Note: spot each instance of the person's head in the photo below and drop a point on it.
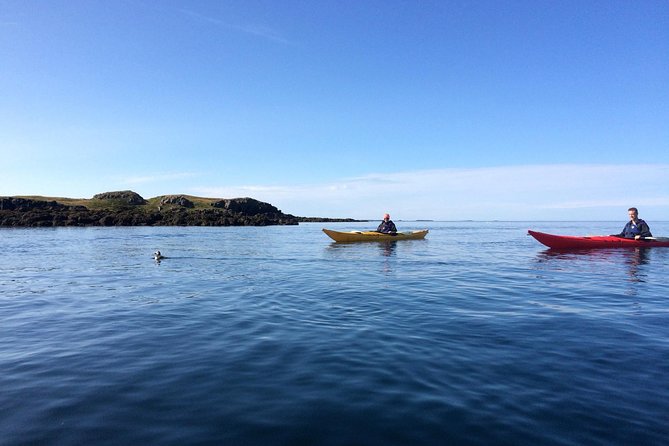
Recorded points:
(633, 213)
(386, 216)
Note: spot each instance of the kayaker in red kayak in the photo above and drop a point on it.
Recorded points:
(387, 226)
(636, 228)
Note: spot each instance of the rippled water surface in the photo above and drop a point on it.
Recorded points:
(477, 335)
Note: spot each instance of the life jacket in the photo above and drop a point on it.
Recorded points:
(632, 229)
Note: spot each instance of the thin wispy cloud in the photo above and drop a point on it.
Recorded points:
(585, 204)
(10, 20)
(254, 29)
(563, 192)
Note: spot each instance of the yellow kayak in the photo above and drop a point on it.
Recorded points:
(373, 236)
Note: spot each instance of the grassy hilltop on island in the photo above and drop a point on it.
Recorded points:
(127, 208)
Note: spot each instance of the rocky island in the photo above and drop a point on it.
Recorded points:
(128, 208)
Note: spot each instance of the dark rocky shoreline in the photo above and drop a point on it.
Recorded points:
(127, 208)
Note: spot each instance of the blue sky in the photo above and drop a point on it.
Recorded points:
(425, 109)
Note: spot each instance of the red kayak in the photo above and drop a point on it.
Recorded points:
(596, 241)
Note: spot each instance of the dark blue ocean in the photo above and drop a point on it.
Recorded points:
(477, 335)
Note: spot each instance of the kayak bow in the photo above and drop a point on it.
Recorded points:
(373, 236)
(595, 241)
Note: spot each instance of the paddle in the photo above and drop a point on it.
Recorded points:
(656, 239)
(638, 240)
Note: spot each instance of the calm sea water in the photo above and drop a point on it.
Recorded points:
(477, 335)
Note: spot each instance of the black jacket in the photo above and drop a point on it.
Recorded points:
(386, 227)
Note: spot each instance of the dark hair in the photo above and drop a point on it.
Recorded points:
(633, 209)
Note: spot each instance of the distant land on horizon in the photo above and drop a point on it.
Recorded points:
(128, 208)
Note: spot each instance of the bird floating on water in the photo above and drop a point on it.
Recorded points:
(158, 256)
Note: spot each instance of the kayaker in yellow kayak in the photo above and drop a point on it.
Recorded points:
(636, 228)
(387, 226)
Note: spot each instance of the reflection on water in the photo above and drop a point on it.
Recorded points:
(633, 257)
(634, 262)
(388, 248)
(384, 252)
